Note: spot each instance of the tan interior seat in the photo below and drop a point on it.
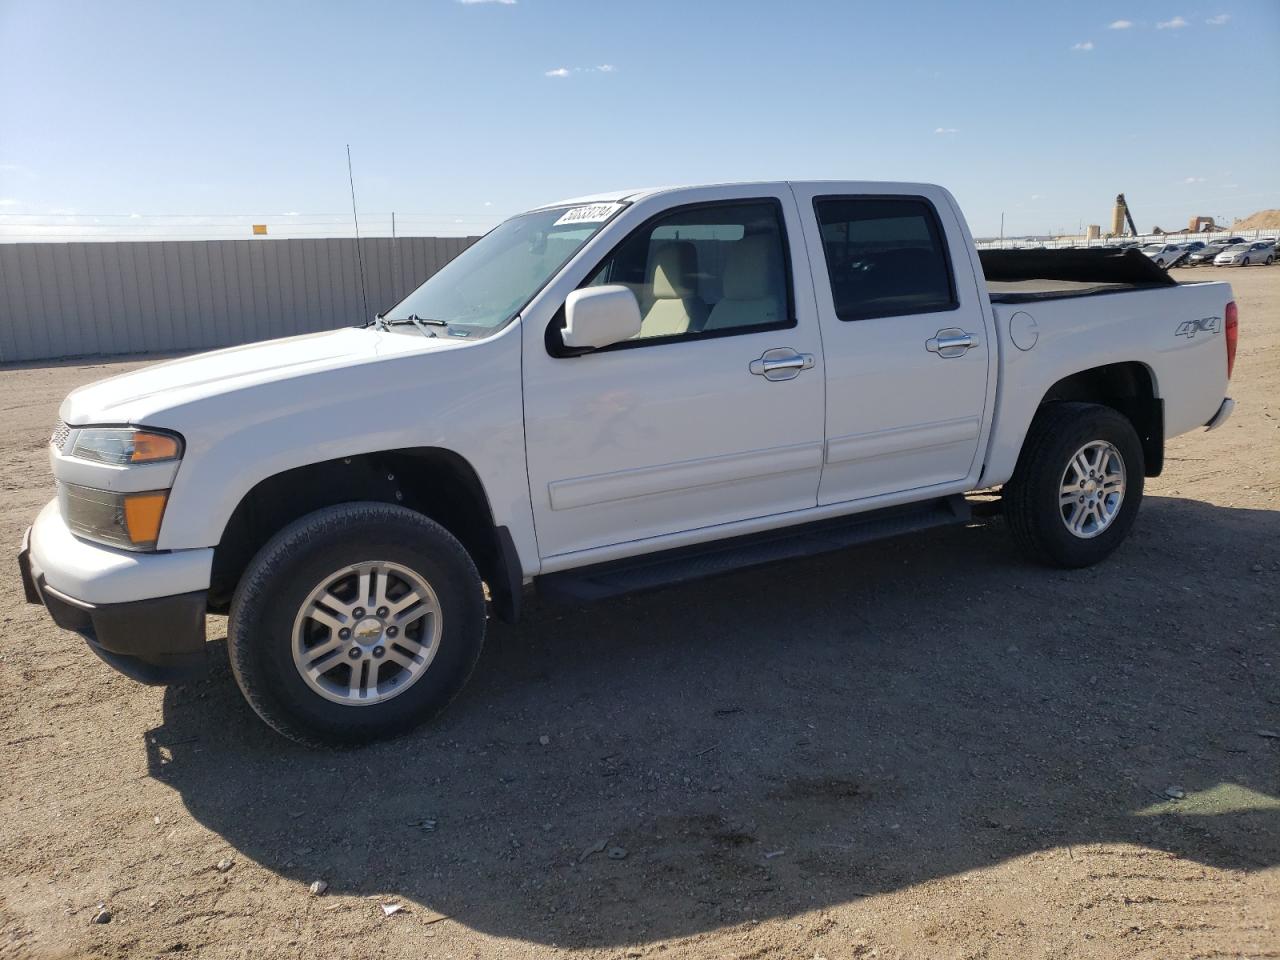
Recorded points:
(750, 292)
(676, 306)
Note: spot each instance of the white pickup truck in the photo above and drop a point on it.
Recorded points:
(603, 395)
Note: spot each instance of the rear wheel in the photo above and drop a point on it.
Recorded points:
(1270, 260)
(356, 623)
(1078, 484)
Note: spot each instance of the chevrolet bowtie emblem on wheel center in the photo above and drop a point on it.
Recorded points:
(368, 630)
(1189, 328)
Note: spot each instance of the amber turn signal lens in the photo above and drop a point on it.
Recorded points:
(154, 446)
(142, 515)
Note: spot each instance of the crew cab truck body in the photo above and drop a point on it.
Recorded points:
(602, 395)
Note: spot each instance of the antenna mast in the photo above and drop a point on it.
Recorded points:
(364, 296)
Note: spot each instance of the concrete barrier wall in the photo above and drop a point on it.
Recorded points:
(81, 299)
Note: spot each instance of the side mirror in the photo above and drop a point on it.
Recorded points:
(595, 317)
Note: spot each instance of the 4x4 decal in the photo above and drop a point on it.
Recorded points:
(1189, 328)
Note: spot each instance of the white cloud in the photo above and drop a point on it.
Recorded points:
(1120, 25)
(1035, 196)
(569, 71)
(946, 130)
(1194, 180)
(1177, 23)
(290, 213)
(505, 3)
(1086, 46)
(135, 216)
(1219, 20)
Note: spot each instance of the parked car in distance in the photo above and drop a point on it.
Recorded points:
(1247, 254)
(1210, 250)
(1163, 254)
(602, 395)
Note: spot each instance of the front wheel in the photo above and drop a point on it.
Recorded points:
(356, 623)
(1078, 484)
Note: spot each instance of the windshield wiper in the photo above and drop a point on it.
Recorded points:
(422, 323)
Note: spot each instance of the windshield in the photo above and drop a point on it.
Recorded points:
(485, 286)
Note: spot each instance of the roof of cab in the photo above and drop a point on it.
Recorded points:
(618, 196)
(612, 196)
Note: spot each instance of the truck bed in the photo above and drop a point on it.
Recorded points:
(1025, 276)
(1029, 291)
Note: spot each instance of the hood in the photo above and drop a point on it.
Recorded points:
(132, 397)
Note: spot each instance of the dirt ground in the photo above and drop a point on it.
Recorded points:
(926, 748)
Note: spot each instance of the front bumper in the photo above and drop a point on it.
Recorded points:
(156, 640)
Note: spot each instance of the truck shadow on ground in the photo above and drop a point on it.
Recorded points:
(792, 737)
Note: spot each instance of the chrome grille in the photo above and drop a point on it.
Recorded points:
(60, 434)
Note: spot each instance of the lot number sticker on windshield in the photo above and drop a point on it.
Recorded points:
(592, 213)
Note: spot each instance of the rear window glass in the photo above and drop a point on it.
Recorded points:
(886, 256)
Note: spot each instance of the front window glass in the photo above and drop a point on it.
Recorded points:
(701, 270)
(484, 287)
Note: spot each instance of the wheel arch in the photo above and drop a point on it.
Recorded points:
(434, 481)
(1128, 387)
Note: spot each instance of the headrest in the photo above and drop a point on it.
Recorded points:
(675, 270)
(748, 269)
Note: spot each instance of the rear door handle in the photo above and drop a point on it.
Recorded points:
(781, 363)
(951, 342)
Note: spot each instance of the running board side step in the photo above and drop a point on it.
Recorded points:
(669, 567)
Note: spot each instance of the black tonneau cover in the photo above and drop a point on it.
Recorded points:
(1015, 276)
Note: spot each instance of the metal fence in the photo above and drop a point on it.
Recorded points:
(79, 299)
(1056, 243)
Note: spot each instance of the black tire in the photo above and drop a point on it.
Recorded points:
(1032, 505)
(277, 582)
(1270, 260)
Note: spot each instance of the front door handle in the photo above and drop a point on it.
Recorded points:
(781, 363)
(951, 342)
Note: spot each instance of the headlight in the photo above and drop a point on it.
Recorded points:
(124, 445)
(129, 520)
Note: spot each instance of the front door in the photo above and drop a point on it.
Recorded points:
(712, 413)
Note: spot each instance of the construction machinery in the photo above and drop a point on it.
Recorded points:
(1120, 217)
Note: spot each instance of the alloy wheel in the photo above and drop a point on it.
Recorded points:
(366, 633)
(1092, 489)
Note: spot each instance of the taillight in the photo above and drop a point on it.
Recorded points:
(1232, 326)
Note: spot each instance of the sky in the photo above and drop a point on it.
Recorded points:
(140, 120)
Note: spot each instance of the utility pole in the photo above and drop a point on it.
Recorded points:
(1002, 228)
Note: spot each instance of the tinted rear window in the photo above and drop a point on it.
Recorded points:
(886, 256)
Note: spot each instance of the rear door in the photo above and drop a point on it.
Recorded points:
(713, 413)
(908, 340)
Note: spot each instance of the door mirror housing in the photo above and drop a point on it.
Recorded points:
(596, 317)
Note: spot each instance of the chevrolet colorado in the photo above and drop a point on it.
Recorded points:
(603, 395)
